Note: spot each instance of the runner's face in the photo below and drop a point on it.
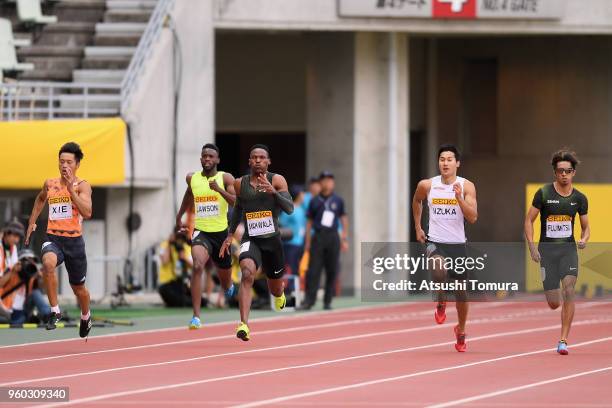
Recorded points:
(209, 159)
(448, 164)
(564, 173)
(67, 161)
(259, 161)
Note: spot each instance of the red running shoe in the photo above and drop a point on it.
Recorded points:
(440, 313)
(460, 346)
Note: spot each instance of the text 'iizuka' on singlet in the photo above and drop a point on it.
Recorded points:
(446, 221)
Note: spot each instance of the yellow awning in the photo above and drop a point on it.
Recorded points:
(29, 151)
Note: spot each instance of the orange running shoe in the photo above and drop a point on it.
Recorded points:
(440, 313)
(460, 346)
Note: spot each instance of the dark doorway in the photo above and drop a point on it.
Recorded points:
(287, 151)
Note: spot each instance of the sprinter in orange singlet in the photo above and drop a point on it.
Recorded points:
(69, 200)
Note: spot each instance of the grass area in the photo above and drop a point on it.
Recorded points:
(148, 317)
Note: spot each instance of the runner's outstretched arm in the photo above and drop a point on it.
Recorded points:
(417, 208)
(585, 233)
(186, 204)
(532, 214)
(39, 204)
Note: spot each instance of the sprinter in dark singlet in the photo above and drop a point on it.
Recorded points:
(558, 203)
(260, 196)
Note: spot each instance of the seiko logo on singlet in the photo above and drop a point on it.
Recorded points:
(552, 201)
(444, 210)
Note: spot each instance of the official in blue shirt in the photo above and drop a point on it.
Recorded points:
(296, 222)
(325, 213)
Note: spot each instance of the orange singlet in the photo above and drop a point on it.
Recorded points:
(64, 217)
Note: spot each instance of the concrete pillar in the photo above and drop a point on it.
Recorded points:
(380, 166)
(432, 141)
(329, 121)
(196, 119)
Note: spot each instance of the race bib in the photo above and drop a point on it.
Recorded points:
(559, 226)
(260, 223)
(445, 208)
(328, 218)
(60, 208)
(207, 207)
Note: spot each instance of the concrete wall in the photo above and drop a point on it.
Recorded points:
(552, 92)
(261, 82)
(151, 118)
(587, 16)
(330, 122)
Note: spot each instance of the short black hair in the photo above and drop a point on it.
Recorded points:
(73, 148)
(211, 146)
(449, 148)
(260, 146)
(564, 154)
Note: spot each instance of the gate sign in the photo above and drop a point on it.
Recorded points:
(455, 9)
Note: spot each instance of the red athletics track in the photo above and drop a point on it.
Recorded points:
(375, 356)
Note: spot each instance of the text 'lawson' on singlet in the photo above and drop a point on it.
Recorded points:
(210, 206)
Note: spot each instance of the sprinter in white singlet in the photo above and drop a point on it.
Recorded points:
(452, 201)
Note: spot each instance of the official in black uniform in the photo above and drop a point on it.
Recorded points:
(325, 212)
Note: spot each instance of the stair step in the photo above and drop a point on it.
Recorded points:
(106, 63)
(70, 27)
(121, 28)
(80, 4)
(95, 76)
(54, 63)
(50, 51)
(46, 75)
(135, 16)
(131, 4)
(124, 40)
(95, 51)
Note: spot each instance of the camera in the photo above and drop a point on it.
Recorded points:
(29, 265)
(179, 242)
(28, 270)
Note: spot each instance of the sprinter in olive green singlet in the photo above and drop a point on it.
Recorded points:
(260, 196)
(209, 193)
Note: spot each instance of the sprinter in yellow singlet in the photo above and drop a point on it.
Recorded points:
(209, 192)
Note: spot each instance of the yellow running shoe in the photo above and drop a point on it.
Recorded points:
(279, 302)
(195, 323)
(242, 332)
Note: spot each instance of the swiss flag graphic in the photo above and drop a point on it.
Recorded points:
(454, 9)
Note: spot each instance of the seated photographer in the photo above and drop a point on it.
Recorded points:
(175, 265)
(30, 297)
(19, 291)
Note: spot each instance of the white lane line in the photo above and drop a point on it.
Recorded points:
(263, 332)
(328, 362)
(405, 376)
(519, 388)
(286, 346)
(282, 316)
